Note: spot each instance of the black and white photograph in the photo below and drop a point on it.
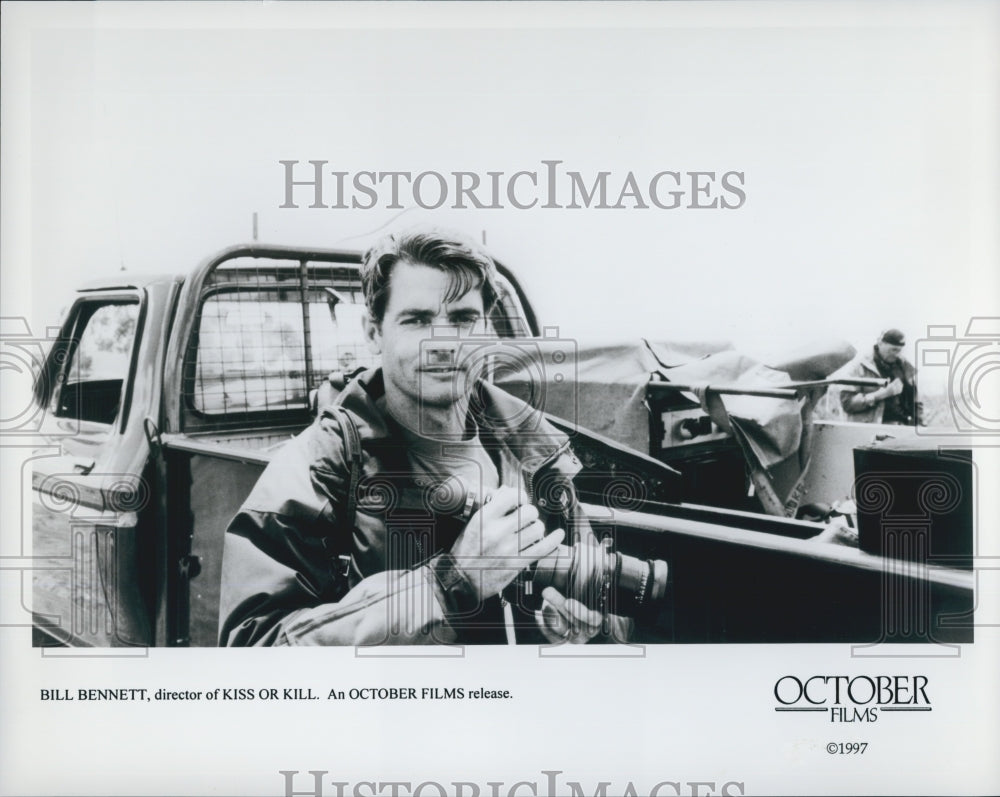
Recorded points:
(598, 397)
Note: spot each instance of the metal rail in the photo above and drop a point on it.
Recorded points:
(789, 391)
(807, 548)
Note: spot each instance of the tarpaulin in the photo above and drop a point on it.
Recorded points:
(604, 390)
(599, 387)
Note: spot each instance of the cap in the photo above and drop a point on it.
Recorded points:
(893, 337)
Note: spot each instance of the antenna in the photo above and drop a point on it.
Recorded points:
(255, 225)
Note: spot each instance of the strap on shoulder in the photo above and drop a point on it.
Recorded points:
(338, 546)
(352, 453)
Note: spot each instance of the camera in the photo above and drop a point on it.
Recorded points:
(541, 372)
(972, 367)
(594, 574)
(426, 518)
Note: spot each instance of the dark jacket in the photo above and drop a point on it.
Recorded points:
(281, 550)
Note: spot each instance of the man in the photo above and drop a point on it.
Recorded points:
(896, 403)
(414, 482)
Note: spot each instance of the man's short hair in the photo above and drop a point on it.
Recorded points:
(468, 265)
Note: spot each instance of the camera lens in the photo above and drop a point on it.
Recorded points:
(633, 586)
(640, 584)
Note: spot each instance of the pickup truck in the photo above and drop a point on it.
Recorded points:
(165, 396)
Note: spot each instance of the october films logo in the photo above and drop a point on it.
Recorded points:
(846, 698)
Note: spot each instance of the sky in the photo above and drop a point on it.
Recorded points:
(866, 136)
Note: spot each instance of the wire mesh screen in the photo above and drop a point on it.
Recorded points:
(270, 329)
(268, 333)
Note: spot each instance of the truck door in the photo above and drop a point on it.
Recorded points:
(83, 491)
(97, 580)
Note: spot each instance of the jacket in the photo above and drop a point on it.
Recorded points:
(906, 402)
(284, 546)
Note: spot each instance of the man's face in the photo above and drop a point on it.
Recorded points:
(888, 352)
(416, 308)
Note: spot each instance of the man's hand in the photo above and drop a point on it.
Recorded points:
(894, 388)
(500, 540)
(864, 400)
(565, 619)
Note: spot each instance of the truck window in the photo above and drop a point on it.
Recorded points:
(98, 364)
(269, 331)
(252, 350)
